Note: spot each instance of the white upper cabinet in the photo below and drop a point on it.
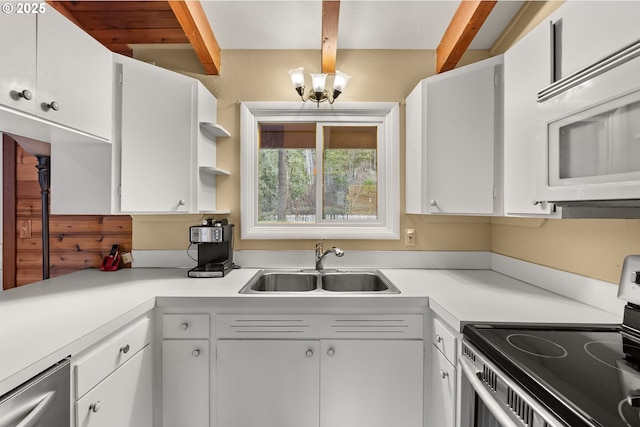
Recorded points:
(527, 69)
(454, 142)
(167, 158)
(53, 70)
(18, 65)
(587, 31)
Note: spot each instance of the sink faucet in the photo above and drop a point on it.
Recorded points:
(320, 255)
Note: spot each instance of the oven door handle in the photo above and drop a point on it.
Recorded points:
(470, 372)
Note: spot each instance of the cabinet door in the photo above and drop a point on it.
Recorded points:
(594, 29)
(527, 70)
(460, 138)
(75, 71)
(185, 383)
(18, 64)
(123, 399)
(156, 138)
(443, 390)
(373, 383)
(267, 383)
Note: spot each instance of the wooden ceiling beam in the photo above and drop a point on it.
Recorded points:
(463, 27)
(330, 15)
(195, 24)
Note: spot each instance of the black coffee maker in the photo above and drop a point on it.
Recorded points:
(215, 248)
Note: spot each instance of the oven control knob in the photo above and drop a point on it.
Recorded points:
(635, 277)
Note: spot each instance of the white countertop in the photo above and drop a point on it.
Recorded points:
(47, 321)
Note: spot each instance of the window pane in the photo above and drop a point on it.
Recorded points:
(286, 176)
(350, 171)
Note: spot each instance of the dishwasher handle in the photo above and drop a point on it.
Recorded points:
(38, 411)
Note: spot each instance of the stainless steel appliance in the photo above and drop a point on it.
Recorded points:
(43, 401)
(555, 375)
(215, 248)
(589, 137)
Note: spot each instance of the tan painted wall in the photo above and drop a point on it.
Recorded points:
(258, 75)
(595, 248)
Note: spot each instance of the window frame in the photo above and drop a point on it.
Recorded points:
(386, 114)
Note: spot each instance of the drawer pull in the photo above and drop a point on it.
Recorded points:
(309, 353)
(439, 338)
(95, 407)
(26, 94)
(331, 352)
(196, 352)
(124, 349)
(184, 326)
(444, 374)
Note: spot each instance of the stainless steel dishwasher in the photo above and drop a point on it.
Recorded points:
(41, 401)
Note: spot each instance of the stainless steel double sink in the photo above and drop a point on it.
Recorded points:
(354, 281)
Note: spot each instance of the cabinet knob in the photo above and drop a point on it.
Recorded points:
(444, 374)
(433, 203)
(95, 407)
(124, 349)
(182, 202)
(184, 326)
(309, 353)
(196, 352)
(331, 352)
(53, 105)
(26, 94)
(438, 338)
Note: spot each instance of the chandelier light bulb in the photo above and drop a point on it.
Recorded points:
(318, 81)
(297, 77)
(340, 81)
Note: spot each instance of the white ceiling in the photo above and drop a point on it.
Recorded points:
(363, 24)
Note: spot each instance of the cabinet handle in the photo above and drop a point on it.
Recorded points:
(26, 94)
(331, 352)
(95, 407)
(433, 203)
(309, 353)
(444, 374)
(184, 326)
(124, 349)
(182, 202)
(438, 338)
(53, 106)
(196, 352)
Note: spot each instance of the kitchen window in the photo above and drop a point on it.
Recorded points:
(310, 172)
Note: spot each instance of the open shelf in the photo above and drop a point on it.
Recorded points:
(214, 170)
(214, 130)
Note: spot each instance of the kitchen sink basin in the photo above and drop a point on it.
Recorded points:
(280, 281)
(368, 281)
(354, 281)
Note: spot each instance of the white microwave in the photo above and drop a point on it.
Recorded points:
(588, 135)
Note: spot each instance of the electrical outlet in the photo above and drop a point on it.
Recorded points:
(409, 236)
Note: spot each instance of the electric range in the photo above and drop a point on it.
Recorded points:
(556, 375)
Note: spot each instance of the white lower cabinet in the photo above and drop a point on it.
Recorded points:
(185, 383)
(443, 390)
(268, 383)
(444, 353)
(327, 383)
(342, 371)
(112, 380)
(185, 370)
(123, 399)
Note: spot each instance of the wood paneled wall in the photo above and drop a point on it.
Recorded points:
(75, 242)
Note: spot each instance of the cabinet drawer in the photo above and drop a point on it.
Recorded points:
(185, 326)
(444, 340)
(123, 399)
(108, 355)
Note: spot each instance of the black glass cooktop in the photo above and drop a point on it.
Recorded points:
(586, 376)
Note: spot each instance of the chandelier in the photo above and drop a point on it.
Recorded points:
(318, 93)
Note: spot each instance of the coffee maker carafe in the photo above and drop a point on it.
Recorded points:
(215, 248)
